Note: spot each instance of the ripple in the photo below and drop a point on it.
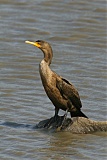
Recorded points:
(77, 32)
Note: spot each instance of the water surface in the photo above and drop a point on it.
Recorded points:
(77, 32)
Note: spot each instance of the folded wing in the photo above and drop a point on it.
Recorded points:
(68, 91)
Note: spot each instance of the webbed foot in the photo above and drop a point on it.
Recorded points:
(51, 121)
(65, 117)
(54, 122)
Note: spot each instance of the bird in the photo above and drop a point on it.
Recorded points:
(60, 91)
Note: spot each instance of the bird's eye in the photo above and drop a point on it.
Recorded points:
(38, 41)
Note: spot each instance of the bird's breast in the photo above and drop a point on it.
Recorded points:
(45, 73)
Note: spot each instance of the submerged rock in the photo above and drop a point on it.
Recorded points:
(74, 125)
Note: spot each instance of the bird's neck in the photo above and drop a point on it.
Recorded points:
(48, 56)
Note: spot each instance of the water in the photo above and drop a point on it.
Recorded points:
(77, 32)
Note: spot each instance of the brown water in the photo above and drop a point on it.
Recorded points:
(77, 32)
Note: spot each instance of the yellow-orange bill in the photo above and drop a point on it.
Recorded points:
(29, 42)
(33, 43)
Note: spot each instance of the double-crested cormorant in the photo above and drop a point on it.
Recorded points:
(60, 91)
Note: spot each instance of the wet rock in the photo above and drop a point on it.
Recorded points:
(79, 125)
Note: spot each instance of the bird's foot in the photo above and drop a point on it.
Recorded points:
(47, 124)
(66, 112)
(64, 117)
(56, 121)
(52, 121)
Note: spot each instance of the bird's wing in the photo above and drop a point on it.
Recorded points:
(68, 91)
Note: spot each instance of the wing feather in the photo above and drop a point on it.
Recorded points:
(68, 91)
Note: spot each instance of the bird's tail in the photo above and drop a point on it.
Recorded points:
(78, 113)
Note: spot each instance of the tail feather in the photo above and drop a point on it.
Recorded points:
(78, 113)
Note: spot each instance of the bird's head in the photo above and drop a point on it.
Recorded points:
(40, 44)
(45, 47)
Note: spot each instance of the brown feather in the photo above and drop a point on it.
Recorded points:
(61, 92)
